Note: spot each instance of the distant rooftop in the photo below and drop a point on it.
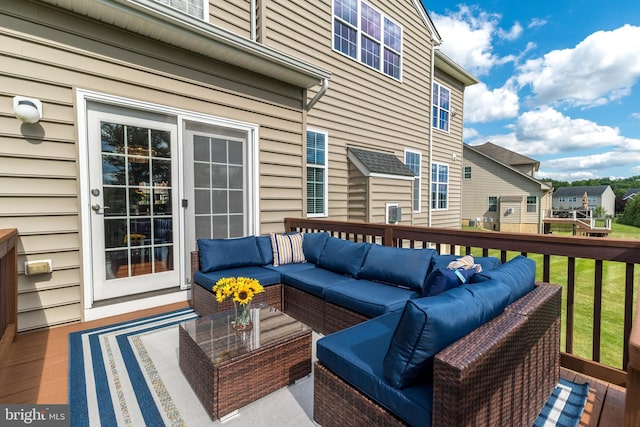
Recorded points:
(591, 190)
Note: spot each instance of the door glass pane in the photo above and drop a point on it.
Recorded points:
(136, 187)
(220, 181)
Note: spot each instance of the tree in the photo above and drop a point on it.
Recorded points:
(631, 213)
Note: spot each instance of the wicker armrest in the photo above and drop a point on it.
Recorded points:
(503, 372)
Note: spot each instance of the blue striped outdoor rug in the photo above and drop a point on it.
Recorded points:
(565, 406)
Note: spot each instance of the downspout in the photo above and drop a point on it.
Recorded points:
(320, 94)
(253, 20)
(430, 124)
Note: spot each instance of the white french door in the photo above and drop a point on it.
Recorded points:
(133, 182)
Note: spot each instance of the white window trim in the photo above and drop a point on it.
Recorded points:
(358, 58)
(325, 196)
(436, 208)
(419, 176)
(83, 97)
(439, 108)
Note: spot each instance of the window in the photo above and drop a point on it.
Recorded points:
(316, 173)
(562, 199)
(413, 160)
(441, 105)
(439, 186)
(195, 8)
(532, 204)
(493, 204)
(366, 35)
(467, 172)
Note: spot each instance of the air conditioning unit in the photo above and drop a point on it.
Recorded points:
(394, 214)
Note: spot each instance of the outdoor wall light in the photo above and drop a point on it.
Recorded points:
(28, 110)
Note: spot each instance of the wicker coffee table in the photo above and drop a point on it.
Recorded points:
(228, 369)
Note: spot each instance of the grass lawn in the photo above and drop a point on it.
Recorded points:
(613, 292)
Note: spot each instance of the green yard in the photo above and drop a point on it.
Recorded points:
(612, 300)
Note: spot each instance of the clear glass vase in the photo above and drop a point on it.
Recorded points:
(243, 316)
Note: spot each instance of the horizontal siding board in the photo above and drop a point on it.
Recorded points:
(59, 260)
(30, 301)
(13, 146)
(49, 317)
(41, 244)
(18, 206)
(35, 225)
(58, 278)
(37, 187)
(25, 167)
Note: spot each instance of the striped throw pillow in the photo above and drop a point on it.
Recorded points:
(287, 248)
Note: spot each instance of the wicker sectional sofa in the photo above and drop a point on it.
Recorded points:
(405, 342)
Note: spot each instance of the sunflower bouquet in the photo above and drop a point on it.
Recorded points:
(241, 290)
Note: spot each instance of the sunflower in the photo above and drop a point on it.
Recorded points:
(241, 289)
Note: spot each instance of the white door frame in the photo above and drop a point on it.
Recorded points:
(83, 97)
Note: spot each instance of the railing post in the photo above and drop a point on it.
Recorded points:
(631, 407)
(8, 288)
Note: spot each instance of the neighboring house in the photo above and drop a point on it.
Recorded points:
(160, 126)
(630, 194)
(597, 196)
(500, 192)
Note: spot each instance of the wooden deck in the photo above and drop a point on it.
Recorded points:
(34, 371)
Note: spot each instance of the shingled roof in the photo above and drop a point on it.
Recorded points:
(377, 162)
(505, 156)
(578, 191)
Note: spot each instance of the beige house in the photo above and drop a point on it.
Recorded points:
(500, 192)
(162, 124)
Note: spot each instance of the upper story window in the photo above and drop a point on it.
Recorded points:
(439, 186)
(366, 35)
(532, 204)
(441, 106)
(316, 173)
(413, 160)
(195, 8)
(467, 172)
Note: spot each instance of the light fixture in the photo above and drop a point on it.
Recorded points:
(29, 110)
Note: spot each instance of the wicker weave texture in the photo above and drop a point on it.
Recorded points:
(336, 403)
(227, 386)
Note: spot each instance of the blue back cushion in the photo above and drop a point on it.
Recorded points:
(218, 254)
(399, 266)
(343, 256)
(428, 325)
(442, 279)
(313, 244)
(518, 273)
(264, 245)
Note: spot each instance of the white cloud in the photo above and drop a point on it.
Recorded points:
(537, 22)
(467, 37)
(600, 69)
(483, 105)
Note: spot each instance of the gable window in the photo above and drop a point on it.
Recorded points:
(195, 8)
(532, 204)
(441, 105)
(366, 35)
(439, 186)
(316, 173)
(467, 172)
(493, 204)
(413, 160)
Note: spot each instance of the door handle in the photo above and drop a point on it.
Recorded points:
(96, 208)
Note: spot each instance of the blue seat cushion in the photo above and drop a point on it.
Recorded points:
(518, 273)
(220, 254)
(313, 244)
(265, 276)
(343, 256)
(314, 280)
(289, 268)
(354, 355)
(430, 324)
(442, 279)
(400, 266)
(442, 261)
(369, 298)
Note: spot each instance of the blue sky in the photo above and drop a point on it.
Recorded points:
(559, 80)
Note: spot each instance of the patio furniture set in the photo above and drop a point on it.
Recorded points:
(408, 337)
